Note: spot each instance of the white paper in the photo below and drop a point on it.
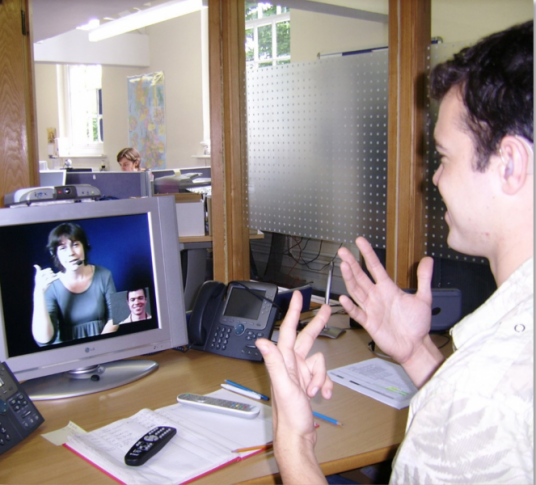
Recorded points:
(376, 378)
(204, 441)
(60, 436)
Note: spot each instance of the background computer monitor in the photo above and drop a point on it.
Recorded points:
(189, 178)
(116, 185)
(162, 173)
(204, 171)
(52, 178)
(78, 169)
(137, 241)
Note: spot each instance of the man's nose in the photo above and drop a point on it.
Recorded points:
(437, 175)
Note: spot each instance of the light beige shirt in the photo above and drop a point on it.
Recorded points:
(129, 319)
(473, 421)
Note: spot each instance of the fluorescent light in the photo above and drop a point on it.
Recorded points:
(146, 17)
(92, 24)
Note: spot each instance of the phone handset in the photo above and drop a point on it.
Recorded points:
(206, 305)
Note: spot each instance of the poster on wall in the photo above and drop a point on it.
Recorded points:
(146, 118)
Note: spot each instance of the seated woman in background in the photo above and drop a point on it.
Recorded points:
(129, 159)
(76, 302)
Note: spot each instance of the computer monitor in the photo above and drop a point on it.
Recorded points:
(204, 171)
(136, 240)
(162, 173)
(189, 178)
(114, 185)
(52, 178)
(78, 169)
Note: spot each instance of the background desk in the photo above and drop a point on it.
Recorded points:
(371, 431)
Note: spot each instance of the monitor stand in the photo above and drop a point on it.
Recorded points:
(331, 332)
(88, 380)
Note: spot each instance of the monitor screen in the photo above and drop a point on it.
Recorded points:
(244, 303)
(52, 178)
(83, 284)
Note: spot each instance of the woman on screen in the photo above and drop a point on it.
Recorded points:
(75, 302)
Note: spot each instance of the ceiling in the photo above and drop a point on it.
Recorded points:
(55, 17)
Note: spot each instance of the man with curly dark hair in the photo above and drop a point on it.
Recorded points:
(472, 419)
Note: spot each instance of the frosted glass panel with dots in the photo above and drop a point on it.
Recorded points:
(317, 148)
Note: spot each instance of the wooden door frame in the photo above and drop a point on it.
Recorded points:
(227, 68)
(18, 151)
(409, 49)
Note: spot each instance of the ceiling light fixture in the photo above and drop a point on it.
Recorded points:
(92, 24)
(143, 18)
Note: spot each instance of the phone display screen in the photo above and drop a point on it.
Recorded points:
(242, 303)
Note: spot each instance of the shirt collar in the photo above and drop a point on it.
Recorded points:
(517, 288)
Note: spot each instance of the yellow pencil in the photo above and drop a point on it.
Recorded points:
(267, 446)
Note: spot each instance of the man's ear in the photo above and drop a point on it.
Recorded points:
(517, 163)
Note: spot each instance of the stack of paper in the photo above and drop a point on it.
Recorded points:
(204, 442)
(379, 379)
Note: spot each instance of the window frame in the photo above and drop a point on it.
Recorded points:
(254, 24)
(71, 146)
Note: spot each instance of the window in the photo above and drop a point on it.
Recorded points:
(267, 35)
(82, 113)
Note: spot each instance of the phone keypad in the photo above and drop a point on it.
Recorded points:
(252, 335)
(25, 413)
(220, 338)
(223, 334)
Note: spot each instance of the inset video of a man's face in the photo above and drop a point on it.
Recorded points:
(137, 301)
(132, 306)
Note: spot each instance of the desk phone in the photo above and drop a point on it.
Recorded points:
(226, 320)
(18, 415)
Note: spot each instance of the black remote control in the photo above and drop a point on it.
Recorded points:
(149, 445)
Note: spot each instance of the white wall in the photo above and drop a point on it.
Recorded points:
(313, 33)
(115, 109)
(470, 20)
(453, 20)
(175, 49)
(46, 95)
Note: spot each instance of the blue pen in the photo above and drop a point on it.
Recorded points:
(262, 396)
(326, 418)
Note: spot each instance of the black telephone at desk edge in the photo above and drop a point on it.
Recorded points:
(226, 320)
(18, 415)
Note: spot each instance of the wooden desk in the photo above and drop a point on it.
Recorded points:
(371, 431)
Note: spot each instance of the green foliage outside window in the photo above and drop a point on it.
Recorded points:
(283, 38)
(265, 42)
(261, 34)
